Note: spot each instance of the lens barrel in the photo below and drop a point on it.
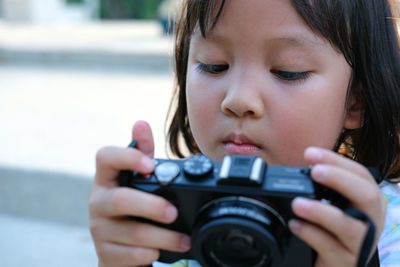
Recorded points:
(238, 231)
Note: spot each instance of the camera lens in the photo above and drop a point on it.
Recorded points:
(238, 231)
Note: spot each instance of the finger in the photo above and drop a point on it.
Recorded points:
(142, 133)
(130, 232)
(122, 201)
(362, 193)
(316, 155)
(327, 247)
(121, 255)
(111, 160)
(350, 232)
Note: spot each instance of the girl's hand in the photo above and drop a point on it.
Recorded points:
(120, 241)
(335, 236)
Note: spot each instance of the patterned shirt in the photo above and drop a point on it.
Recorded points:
(389, 242)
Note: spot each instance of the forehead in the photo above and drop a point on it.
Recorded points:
(271, 20)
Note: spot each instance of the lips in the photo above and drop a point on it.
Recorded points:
(240, 144)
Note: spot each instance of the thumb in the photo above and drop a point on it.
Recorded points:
(142, 133)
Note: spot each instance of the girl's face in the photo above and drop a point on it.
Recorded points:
(262, 83)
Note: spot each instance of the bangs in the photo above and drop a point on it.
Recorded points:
(204, 15)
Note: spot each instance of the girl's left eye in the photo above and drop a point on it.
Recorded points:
(291, 76)
(212, 68)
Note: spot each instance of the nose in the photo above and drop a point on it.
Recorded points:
(243, 97)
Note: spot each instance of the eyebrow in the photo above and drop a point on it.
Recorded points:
(299, 41)
(295, 40)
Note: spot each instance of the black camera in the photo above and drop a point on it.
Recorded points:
(236, 211)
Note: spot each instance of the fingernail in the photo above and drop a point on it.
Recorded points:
(318, 172)
(170, 213)
(313, 153)
(185, 242)
(301, 205)
(294, 225)
(147, 164)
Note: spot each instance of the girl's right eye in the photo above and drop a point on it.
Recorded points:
(212, 68)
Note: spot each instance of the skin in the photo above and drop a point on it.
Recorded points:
(281, 117)
(249, 108)
(119, 241)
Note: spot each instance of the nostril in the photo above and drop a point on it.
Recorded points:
(242, 103)
(249, 113)
(238, 112)
(228, 112)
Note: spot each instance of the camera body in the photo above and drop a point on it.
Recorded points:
(236, 210)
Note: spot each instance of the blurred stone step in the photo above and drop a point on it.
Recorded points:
(97, 60)
(30, 242)
(51, 196)
(120, 46)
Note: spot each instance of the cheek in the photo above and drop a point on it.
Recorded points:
(203, 108)
(310, 130)
(200, 111)
(301, 129)
(317, 124)
(313, 117)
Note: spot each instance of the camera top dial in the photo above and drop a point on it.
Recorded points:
(166, 172)
(197, 166)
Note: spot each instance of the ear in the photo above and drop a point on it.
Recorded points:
(355, 114)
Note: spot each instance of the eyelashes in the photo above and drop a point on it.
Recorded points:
(212, 68)
(288, 76)
(291, 76)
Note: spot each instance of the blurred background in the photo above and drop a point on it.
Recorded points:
(74, 76)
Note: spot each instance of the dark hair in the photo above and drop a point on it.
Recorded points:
(363, 31)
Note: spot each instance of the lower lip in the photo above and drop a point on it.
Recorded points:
(241, 149)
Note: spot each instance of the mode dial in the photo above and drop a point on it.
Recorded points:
(197, 166)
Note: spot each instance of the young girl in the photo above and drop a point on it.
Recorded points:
(296, 82)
